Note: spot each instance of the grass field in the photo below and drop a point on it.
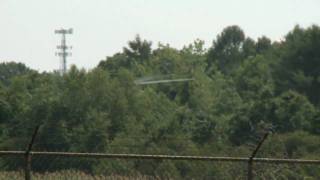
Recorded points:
(70, 175)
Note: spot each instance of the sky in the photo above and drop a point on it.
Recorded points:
(103, 27)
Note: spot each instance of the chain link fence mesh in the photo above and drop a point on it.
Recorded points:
(53, 167)
(87, 168)
(69, 167)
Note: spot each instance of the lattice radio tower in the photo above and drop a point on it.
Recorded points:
(62, 49)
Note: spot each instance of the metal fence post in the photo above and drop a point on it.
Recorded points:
(250, 162)
(28, 155)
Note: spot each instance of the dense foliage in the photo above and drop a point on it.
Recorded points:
(241, 89)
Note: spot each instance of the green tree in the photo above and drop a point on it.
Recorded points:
(139, 50)
(292, 111)
(299, 68)
(11, 69)
(263, 44)
(226, 52)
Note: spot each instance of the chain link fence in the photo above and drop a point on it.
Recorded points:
(152, 165)
(55, 165)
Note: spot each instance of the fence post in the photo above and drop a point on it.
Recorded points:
(250, 162)
(28, 156)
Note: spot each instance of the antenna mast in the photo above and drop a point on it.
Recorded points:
(63, 49)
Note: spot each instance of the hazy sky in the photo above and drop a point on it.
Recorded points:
(103, 27)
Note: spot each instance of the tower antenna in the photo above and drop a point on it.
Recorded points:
(62, 49)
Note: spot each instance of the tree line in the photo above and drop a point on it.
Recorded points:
(241, 89)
